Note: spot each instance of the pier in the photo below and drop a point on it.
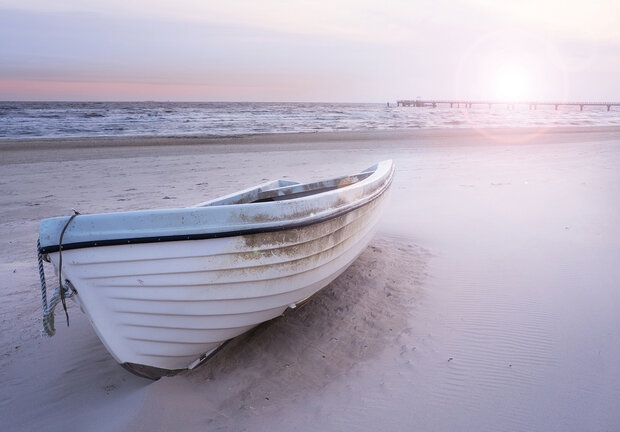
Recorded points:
(509, 105)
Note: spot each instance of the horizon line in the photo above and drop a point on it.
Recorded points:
(459, 100)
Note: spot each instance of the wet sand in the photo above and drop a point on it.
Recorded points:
(487, 301)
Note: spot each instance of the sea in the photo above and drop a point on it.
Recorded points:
(94, 119)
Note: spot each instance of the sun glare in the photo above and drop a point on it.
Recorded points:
(512, 84)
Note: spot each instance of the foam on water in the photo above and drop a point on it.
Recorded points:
(82, 119)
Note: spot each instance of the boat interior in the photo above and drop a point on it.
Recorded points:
(280, 190)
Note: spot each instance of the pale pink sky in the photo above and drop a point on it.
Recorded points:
(339, 51)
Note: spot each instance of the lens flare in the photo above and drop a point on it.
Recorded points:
(512, 84)
(510, 68)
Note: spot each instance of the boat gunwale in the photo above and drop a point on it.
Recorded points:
(233, 233)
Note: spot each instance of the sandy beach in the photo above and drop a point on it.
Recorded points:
(488, 300)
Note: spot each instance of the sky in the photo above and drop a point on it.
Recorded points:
(314, 51)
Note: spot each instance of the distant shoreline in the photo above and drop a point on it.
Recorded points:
(78, 148)
(318, 136)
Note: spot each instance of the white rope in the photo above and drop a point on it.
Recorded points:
(62, 291)
(48, 308)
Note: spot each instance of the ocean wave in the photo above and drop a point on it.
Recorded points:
(66, 119)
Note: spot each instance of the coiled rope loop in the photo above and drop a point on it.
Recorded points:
(61, 292)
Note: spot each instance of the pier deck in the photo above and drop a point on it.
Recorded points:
(509, 105)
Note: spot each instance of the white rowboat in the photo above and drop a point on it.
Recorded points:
(164, 289)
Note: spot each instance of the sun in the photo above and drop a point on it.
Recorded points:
(512, 84)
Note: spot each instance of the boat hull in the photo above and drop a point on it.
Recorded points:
(167, 308)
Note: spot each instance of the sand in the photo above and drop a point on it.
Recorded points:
(487, 301)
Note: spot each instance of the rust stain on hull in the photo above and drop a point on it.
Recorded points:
(299, 236)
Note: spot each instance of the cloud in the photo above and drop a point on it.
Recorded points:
(346, 50)
(590, 20)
